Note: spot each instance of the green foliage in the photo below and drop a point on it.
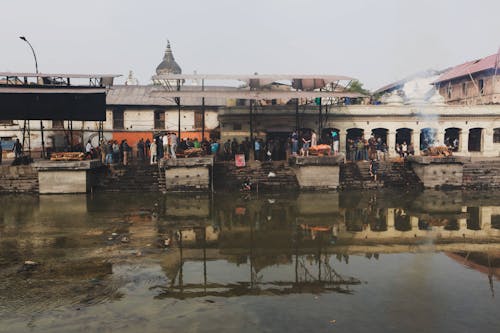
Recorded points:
(357, 86)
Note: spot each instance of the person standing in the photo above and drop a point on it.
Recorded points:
(336, 141)
(295, 143)
(257, 149)
(314, 139)
(1, 151)
(154, 152)
(165, 144)
(17, 149)
(140, 149)
(88, 150)
(173, 144)
(126, 149)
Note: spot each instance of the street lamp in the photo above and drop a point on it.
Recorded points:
(36, 70)
(32, 50)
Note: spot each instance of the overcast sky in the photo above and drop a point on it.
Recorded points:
(377, 42)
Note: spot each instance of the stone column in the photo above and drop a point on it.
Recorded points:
(391, 143)
(414, 223)
(390, 219)
(415, 140)
(440, 137)
(488, 149)
(464, 141)
(343, 141)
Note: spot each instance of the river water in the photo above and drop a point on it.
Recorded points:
(309, 262)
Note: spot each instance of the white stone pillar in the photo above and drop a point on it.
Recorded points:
(390, 219)
(440, 136)
(487, 137)
(414, 222)
(343, 141)
(391, 143)
(415, 140)
(464, 141)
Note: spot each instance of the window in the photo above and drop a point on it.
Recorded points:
(6, 122)
(198, 119)
(237, 127)
(57, 124)
(464, 89)
(480, 84)
(449, 90)
(159, 120)
(118, 121)
(496, 135)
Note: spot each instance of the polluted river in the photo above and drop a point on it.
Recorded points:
(233, 262)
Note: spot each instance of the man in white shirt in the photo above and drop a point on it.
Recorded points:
(165, 145)
(88, 150)
(173, 144)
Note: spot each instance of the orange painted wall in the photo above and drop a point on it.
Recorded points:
(134, 137)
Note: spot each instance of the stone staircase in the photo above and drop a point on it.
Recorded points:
(135, 177)
(482, 174)
(228, 177)
(390, 174)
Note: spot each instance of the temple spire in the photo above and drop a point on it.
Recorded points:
(168, 65)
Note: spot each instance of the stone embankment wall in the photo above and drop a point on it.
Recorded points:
(136, 177)
(266, 176)
(482, 174)
(18, 179)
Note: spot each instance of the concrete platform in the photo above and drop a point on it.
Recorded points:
(62, 177)
(188, 174)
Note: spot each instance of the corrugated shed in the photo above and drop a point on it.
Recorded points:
(144, 96)
(469, 67)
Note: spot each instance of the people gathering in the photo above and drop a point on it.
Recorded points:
(275, 147)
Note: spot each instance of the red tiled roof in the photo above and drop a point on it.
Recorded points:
(470, 67)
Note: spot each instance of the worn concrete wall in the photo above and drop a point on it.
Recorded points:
(187, 178)
(433, 175)
(62, 181)
(318, 176)
(21, 178)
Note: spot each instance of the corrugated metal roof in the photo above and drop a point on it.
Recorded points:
(246, 78)
(469, 67)
(66, 75)
(143, 95)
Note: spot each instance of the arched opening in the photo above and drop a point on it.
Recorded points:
(496, 135)
(355, 220)
(380, 133)
(377, 220)
(401, 220)
(475, 139)
(452, 225)
(327, 135)
(354, 135)
(276, 143)
(403, 135)
(428, 138)
(473, 219)
(452, 138)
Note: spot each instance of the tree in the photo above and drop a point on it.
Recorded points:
(357, 86)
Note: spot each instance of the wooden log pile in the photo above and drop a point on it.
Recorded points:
(67, 156)
(320, 150)
(438, 151)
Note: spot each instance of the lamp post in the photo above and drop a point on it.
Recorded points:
(32, 50)
(36, 70)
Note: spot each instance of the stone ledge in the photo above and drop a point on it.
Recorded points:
(438, 159)
(316, 160)
(67, 165)
(187, 162)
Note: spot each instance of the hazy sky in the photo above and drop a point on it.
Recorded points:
(377, 42)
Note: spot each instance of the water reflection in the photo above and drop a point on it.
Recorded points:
(92, 250)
